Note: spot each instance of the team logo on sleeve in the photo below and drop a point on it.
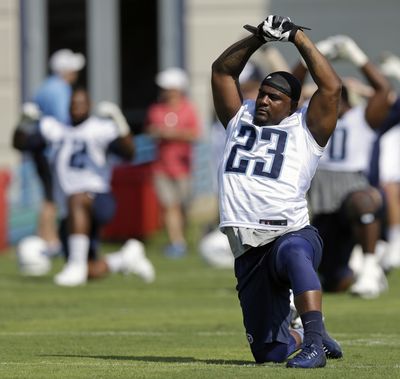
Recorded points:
(249, 338)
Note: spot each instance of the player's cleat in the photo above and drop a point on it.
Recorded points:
(391, 257)
(32, 255)
(331, 347)
(72, 275)
(175, 250)
(310, 356)
(136, 262)
(372, 280)
(215, 250)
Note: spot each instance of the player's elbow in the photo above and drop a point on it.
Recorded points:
(335, 86)
(219, 69)
(217, 66)
(332, 90)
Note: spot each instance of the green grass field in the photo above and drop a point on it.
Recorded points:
(185, 325)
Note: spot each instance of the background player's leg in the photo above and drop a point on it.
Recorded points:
(362, 209)
(79, 224)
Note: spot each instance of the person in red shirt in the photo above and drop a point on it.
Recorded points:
(174, 124)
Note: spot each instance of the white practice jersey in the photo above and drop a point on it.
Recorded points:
(349, 148)
(389, 158)
(266, 172)
(79, 155)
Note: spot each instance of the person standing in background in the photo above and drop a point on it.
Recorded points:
(53, 99)
(174, 124)
(54, 95)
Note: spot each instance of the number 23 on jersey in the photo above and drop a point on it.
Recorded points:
(269, 167)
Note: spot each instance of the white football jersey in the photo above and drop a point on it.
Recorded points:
(389, 158)
(349, 148)
(266, 171)
(79, 155)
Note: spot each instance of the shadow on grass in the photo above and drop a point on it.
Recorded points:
(155, 359)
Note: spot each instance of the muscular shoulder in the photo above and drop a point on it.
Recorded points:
(244, 114)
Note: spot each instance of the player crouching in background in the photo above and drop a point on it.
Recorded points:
(82, 172)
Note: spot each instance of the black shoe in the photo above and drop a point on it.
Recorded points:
(310, 356)
(331, 348)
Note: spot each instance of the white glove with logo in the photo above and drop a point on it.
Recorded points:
(275, 28)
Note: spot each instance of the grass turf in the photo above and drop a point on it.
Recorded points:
(185, 325)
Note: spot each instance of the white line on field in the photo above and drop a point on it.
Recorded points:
(111, 333)
(373, 340)
(199, 364)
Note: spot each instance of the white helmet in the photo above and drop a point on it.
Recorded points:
(32, 256)
(215, 250)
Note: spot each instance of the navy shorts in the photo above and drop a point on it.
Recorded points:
(339, 240)
(263, 294)
(104, 207)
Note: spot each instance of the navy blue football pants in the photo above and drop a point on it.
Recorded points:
(264, 276)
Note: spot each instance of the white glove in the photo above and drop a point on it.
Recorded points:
(328, 48)
(348, 49)
(111, 110)
(277, 28)
(390, 66)
(31, 110)
(108, 109)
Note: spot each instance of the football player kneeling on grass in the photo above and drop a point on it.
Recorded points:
(271, 153)
(82, 183)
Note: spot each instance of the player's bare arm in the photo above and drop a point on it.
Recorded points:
(225, 77)
(323, 108)
(380, 102)
(344, 47)
(126, 147)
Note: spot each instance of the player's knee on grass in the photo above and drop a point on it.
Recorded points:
(275, 351)
(363, 207)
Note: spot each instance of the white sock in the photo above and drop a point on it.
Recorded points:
(370, 260)
(114, 261)
(78, 246)
(394, 233)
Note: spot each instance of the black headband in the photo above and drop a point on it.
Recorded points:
(285, 83)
